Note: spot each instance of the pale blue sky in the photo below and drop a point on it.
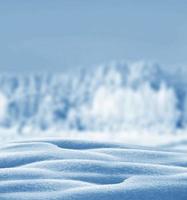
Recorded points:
(56, 35)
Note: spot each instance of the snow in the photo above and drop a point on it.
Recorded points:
(81, 121)
(114, 97)
(119, 101)
(3, 106)
(80, 169)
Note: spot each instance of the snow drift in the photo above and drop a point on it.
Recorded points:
(77, 170)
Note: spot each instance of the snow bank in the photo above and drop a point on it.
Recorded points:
(78, 170)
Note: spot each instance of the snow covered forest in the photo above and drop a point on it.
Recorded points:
(117, 96)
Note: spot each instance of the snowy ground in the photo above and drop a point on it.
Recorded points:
(131, 103)
(77, 169)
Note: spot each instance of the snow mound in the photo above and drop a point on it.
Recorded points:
(77, 170)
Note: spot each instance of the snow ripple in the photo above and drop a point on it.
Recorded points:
(77, 170)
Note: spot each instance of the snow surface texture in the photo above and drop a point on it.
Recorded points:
(81, 170)
(119, 97)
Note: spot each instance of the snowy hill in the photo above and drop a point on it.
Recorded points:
(77, 170)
